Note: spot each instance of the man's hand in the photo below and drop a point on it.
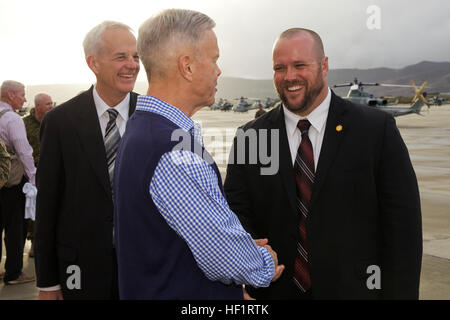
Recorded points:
(278, 268)
(261, 242)
(246, 295)
(50, 295)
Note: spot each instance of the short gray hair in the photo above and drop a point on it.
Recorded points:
(161, 35)
(10, 85)
(39, 97)
(93, 42)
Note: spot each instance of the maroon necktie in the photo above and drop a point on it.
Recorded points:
(304, 176)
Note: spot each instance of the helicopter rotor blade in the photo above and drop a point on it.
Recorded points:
(343, 85)
(395, 85)
(416, 96)
(369, 84)
(423, 86)
(419, 93)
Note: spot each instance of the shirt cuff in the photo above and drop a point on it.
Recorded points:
(54, 288)
(270, 265)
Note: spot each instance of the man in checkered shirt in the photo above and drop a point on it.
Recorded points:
(175, 235)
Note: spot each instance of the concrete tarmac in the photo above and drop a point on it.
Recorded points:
(428, 141)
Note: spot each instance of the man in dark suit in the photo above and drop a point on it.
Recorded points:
(342, 209)
(74, 254)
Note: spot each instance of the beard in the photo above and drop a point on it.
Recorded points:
(310, 94)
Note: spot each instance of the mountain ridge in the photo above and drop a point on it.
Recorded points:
(437, 74)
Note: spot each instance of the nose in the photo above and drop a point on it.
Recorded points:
(290, 73)
(131, 63)
(219, 72)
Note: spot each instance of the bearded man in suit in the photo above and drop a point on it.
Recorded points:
(343, 207)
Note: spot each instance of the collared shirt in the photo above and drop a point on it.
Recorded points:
(317, 118)
(103, 116)
(188, 196)
(13, 134)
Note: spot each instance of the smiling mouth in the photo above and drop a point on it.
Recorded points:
(128, 76)
(294, 88)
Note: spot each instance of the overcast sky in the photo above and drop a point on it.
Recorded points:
(41, 40)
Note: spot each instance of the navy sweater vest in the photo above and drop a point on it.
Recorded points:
(154, 261)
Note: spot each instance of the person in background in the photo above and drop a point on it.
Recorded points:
(12, 199)
(260, 111)
(42, 104)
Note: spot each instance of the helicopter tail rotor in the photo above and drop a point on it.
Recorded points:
(419, 94)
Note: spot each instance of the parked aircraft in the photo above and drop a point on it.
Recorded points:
(357, 94)
(417, 103)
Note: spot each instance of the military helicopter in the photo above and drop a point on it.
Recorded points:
(436, 100)
(215, 106)
(357, 94)
(417, 103)
(243, 105)
(226, 106)
(270, 102)
(223, 105)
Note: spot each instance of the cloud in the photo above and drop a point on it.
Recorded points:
(42, 44)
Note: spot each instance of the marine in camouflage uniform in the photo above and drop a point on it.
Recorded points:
(32, 125)
(260, 112)
(43, 103)
(5, 164)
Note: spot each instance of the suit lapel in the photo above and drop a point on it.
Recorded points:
(286, 168)
(331, 143)
(133, 100)
(89, 132)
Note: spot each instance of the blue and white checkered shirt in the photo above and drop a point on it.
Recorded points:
(189, 198)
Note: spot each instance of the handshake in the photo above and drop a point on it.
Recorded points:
(278, 268)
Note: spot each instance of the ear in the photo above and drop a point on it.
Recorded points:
(93, 63)
(325, 66)
(185, 67)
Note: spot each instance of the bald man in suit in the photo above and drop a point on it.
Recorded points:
(342, 210)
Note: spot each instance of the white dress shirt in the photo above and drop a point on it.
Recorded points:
(103, 115)
(317, 118)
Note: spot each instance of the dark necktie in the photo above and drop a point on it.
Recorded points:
(304, 176)
(112, 138)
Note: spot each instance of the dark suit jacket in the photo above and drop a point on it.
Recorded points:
(364, 209)
(74, 209)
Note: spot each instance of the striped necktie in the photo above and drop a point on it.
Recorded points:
(304, 177)
(112, 138)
